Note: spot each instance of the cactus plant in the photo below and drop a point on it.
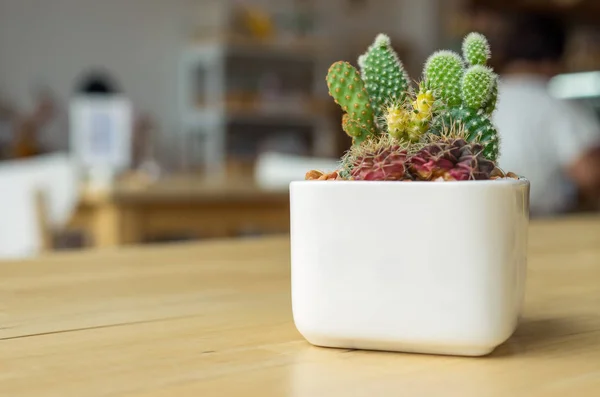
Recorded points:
(397, 121)
(405, 124)
(451, 160)
(490, 106)
(384, 75)
(476, 126)
(352, 127)
(477, 86)
(417, 128)
(409, 120)
(423, 108)
(423, 104)
(444, 131)
(376, 160)
(476, 49)
(478, 90)
(443, 75)
(348, 90)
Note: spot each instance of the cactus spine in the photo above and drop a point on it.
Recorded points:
(384, 75)
(348, 90)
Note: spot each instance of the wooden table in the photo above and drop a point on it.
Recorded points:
(180, 206)
(214, 319)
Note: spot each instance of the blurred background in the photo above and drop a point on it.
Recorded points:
(142, 121)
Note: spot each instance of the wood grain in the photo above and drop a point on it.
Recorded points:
(214, 319)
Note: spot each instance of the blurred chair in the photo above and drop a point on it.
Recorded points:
(276, 170)
(39, 195)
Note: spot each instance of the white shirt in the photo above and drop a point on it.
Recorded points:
(539, 137)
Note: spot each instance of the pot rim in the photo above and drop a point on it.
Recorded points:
(493, 182)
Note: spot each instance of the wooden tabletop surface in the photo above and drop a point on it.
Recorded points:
(214, 319)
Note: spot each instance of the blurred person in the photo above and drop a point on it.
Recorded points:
(98, 82)
(554, 143)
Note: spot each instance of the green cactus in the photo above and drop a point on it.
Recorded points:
(476, 49)
(474, 124)
(353, 129)
(443, 74)
(396, 130)
(477, 86)
(470, 115)
(348, 90)
(490, 105)
(384, 75)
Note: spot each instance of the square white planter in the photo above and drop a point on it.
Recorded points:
(424, 267)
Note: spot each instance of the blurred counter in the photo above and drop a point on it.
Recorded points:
(178, 207)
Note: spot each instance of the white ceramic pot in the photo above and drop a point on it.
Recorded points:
(424, 267)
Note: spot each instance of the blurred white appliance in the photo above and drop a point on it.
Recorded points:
(55, 177)
(101, 133)
(275, 171)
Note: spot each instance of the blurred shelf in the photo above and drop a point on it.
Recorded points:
(275, 118)
(304, 48)
(259, 86)
(248, 108)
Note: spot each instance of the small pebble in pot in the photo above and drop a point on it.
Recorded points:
(313, 174)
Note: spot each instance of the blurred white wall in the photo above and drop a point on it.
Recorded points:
(51, 42)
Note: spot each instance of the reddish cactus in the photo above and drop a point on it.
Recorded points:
(454, 160)
(377, 161)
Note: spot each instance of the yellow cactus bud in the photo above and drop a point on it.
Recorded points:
(397, 120)
(423, 104)
(417, 127)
